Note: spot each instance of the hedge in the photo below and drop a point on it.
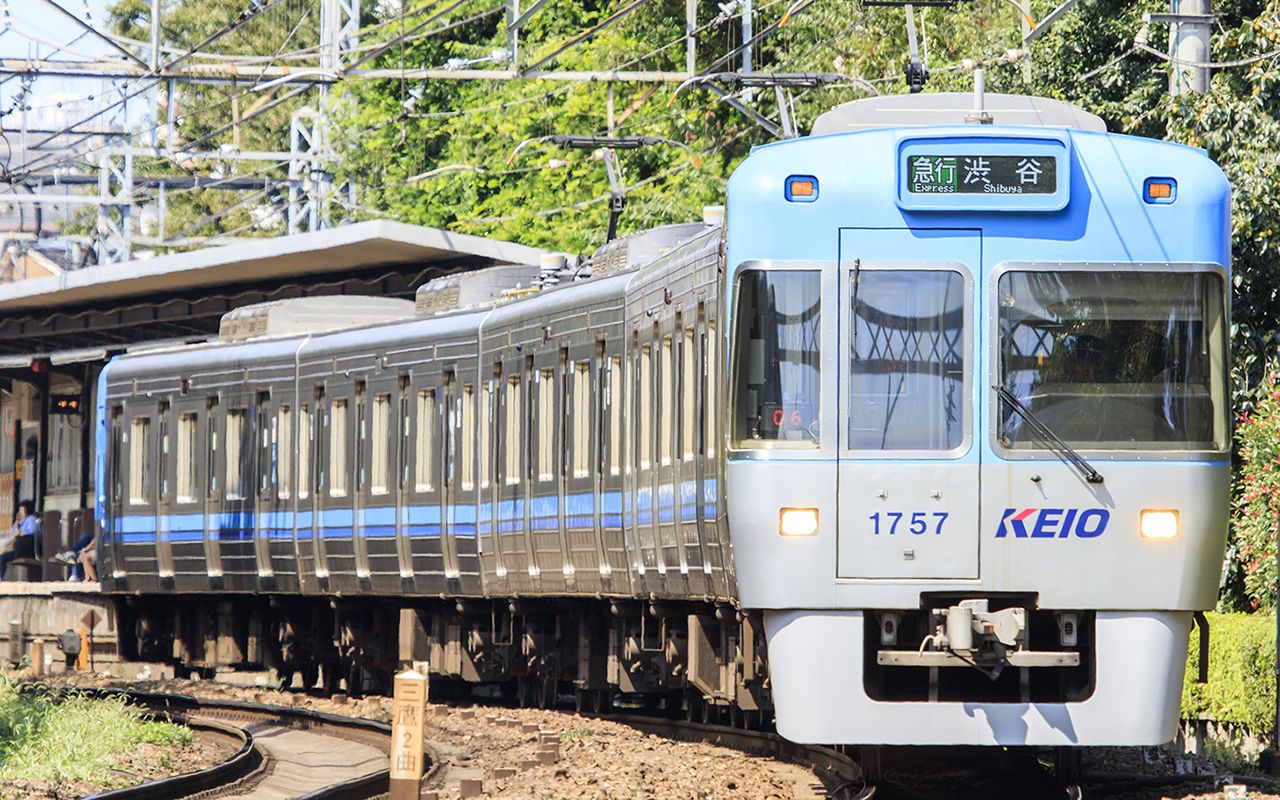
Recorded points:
(1242, 680)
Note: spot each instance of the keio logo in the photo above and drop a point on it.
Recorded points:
(1053, 523)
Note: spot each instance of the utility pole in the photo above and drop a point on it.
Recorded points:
(1191, 25)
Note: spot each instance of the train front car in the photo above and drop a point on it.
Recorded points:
(979, 441)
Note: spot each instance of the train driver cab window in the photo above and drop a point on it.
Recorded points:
(907, 350)
(1113, 359)
(776, 360)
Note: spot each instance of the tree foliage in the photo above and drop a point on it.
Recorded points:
(283, 35)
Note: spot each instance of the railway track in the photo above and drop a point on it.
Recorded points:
(282, 752)
(285, 752)
(288, 752)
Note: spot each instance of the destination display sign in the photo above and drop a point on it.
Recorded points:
(982, 174)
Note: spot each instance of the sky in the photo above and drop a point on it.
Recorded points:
(31, 29)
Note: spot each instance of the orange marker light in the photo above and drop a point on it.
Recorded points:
(1160, 191)
(801, 188)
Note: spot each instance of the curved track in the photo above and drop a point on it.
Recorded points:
(285, 752)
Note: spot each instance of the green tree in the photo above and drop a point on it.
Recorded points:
(205, 112)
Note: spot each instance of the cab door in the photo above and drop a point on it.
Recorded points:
(907, 467)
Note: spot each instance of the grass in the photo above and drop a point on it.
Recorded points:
(75, 738)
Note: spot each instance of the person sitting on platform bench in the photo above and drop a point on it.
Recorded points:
(72, 557)
(88, 561)
(28, 530)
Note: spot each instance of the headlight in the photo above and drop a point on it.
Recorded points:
(798, 521)
(1159, 524)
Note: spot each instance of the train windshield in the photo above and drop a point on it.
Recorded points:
(907, 360)
(777, 380)
(1114, 360)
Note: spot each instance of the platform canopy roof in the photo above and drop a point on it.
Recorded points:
(83, 315)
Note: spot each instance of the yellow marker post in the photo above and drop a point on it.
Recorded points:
(408, 718)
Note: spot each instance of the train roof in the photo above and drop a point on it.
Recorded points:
(953, 108)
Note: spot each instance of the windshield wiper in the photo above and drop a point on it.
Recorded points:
(1045, 432)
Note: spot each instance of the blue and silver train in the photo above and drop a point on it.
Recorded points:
(925, 442)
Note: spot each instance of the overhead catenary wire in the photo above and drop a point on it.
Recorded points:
(251, 12)
(589, 33)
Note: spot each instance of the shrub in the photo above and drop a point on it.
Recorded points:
(1255, 505)
(1242, 681)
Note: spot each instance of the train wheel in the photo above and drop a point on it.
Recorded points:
(355, 679)
(310, 675)
(331, 680)
(284, 679)
(693, 707)
(548, 692)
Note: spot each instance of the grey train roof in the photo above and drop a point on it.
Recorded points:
(952, 108)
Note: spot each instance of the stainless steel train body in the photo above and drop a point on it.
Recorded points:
(940, 416)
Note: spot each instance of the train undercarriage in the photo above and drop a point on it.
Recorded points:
(703, 660)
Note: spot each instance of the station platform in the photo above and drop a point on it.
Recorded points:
(31, 611)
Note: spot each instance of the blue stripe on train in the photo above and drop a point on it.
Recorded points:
(426, 521)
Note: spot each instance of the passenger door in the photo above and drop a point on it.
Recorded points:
(908, 467)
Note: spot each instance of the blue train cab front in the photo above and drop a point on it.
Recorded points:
(978, 441)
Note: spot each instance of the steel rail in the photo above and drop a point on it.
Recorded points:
(192, 710)
(247, 760)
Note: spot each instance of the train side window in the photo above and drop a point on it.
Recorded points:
(688, 397)
(380, 473)
(338, 448)
(581, 419)
(266, 436)
(211, 453)
(424, 454)
(187, 427)
(305, 438)
(284, 451)
(546, 425)
(162, 417)
(362, 437)
(468, 459)
(234, 454)
(139, 461)
(513, 446)
(404, 447)
(711, 379)
(486, 441)
(117, 437)
(615, 415)
(666, 388)
(644, 406)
